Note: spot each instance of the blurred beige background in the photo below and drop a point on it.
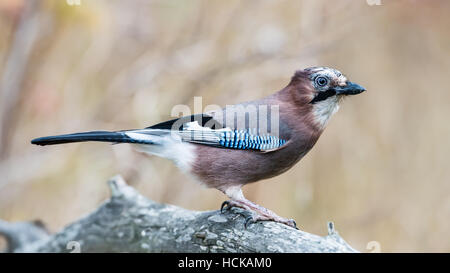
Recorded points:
(380, 171)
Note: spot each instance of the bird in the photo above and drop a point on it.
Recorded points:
(244, 143)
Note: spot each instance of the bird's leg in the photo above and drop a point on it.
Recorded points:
(259, 213)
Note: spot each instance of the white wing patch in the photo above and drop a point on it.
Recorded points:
(194, 126)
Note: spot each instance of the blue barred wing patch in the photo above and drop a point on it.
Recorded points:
(244, 140)
(230, 139)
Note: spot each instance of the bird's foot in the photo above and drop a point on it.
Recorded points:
(258, 213)
(227, 205)
(255, 217)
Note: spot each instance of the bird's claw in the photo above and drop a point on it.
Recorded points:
(225, 205)
(292, 223)
(248, 220)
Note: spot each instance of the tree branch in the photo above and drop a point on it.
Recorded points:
(129, 222)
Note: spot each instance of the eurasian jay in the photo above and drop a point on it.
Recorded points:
(243, 143)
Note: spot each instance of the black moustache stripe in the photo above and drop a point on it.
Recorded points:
(323, 95)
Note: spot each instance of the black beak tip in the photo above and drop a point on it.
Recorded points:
(352, 89)
(359, 91)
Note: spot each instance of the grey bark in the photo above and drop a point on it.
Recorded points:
(129, 222)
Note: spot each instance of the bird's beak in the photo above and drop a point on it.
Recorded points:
(349, 89)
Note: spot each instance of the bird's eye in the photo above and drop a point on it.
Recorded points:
(321, 81)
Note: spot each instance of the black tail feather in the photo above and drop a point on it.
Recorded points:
(103, 136)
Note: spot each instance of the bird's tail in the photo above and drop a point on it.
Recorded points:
(103, 136)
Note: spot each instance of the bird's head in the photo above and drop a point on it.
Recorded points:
(322, 88)
(328, 83)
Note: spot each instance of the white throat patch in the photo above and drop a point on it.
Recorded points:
(323, 110)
